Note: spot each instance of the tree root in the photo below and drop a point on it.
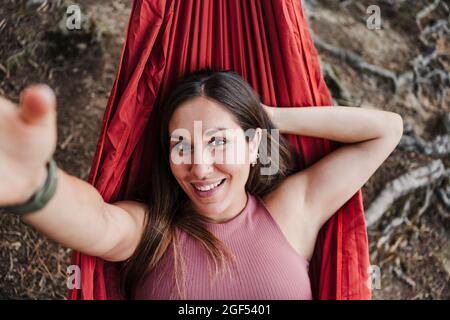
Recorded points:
(403, 185)
(438, 148)
(356, 61)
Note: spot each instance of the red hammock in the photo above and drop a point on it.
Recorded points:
(268, 43)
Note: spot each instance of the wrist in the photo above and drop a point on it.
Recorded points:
(36, 183)
(269, 111)
(40, 195)
(273, 115)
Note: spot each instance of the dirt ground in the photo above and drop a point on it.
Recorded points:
(413, 256)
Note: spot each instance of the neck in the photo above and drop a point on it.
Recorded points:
(232, 211)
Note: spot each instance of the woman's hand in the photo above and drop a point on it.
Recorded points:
(28, 138)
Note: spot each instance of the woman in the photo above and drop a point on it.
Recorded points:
(213, 227)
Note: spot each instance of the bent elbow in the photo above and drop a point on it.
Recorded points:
(398, 126)
(394, 126)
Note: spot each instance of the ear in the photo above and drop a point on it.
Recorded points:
(254, 145)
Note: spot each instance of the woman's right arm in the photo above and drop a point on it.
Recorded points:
(76, 216)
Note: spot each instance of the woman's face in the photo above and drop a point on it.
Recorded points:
(210, 158)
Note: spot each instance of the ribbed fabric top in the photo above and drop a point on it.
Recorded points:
(268, 267)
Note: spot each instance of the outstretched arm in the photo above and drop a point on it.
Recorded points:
(76, 216)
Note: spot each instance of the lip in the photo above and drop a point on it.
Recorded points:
(209, 193)
(206, 183)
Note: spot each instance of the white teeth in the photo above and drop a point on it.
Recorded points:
(206, 188)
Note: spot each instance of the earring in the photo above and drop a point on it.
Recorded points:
(256, 160)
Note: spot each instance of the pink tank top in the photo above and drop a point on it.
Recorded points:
(268, 267)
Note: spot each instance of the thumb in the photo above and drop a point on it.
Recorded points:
(38, 103)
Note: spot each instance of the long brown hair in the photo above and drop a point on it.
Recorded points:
(168, 204)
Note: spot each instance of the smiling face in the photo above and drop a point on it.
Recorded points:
(210, 158)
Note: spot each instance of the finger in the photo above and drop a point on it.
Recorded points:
(7, 105)
(37, 105)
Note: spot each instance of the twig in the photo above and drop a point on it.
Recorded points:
(437, 29)
(426, 11)
(439, 147)
(400, 274)
(426, 203)
(387, 232)
(444, 196)
(2, 24)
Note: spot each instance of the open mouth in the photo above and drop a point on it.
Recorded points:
(208, 191)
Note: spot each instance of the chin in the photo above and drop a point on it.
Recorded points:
(213, 207)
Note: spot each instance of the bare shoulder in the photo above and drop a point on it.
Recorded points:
(287, 207)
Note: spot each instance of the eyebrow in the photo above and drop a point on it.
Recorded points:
(210, 131)
(214, 130)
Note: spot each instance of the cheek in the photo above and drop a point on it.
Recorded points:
(237, 172)
(233, 154)
(179, 171)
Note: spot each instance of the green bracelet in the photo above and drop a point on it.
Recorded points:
(39, 199)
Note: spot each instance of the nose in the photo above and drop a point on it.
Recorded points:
(203, 163)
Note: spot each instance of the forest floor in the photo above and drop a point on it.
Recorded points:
(409, 243)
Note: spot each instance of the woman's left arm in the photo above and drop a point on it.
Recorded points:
(343, 124)
(314, 194)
